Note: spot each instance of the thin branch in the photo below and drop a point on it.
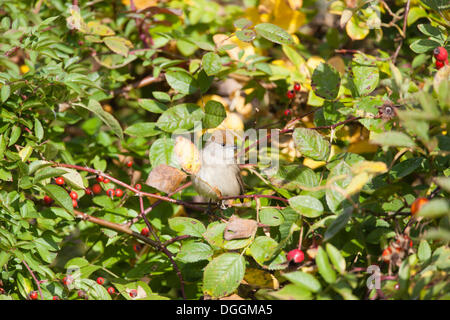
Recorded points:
(34, 278)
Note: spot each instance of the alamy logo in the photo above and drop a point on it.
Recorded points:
(374, 280)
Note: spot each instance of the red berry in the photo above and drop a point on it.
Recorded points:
(111, 290)
(75, 203)
(33, 295)
(48, 201)
(119, 193)
(110, 192)
(56, 298)
(100, 280)
(73, 195)
(106, 180)
(417, 204)
(59, 181)
(290, 94)
(129, 164)
(386, 254)
(439, 64)
(297, 255)
(133, 293)
(145, 231)
(67, 280)
(100, 179)
(440, 54)
(287, 112)
(96, 188)
(89, 191)
(297, 87)
(410, 243)
(138, 186)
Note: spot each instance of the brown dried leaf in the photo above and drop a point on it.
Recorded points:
(165, 178)
(238, 228)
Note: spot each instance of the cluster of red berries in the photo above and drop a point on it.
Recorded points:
(291, 93)
(101, 281)
(397, 249)
(73, 194)
(441, 56)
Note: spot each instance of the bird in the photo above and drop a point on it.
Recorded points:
(219, 174)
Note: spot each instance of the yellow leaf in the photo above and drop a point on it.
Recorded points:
(99, 29)
(338, 63)
(25, 153)
(238, 104)
(295, 4)
(363, 146)
(187, 154)
(370, 167)
(203, 100)
(357, 183)
(233, 121)
(313, 62)
(356, 29)
(260, 279)
(141, 4)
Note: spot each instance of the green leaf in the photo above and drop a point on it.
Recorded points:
(187, 226)
(60, 196)
(161, 152)
(336, 258)
(324, 266)
(444, 183)
(271, 217)
(152, 105)
(211, 63)
(338, 224)
(424, 252)
(38, 129)
(365, 74)
(5, 91)
(246, 35)
(304, 280)
(392, 139)
(288, 292)
(118, 44)
(180, 118)
(307, 206)
(143, 129)
(263, 249)
(326, 81)
(242, 23)
(15, 135)
(194, 251)
(47, 172)
(181, 81)
(311, 144)
(214, 114)
(95, 107)
(291, 177)
(274, 33)
(424, 45)
(435, 208)
(223, 274)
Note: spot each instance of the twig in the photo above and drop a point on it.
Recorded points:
(138, 84)
(34, 278)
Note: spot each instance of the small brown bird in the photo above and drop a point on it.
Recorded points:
(219, 174)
